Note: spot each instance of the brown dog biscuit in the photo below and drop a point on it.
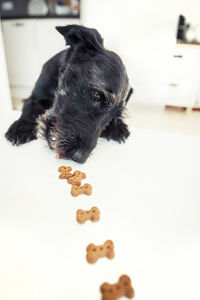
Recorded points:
(95, 252)
(65, 172)
(115, 291)
(76, 178)
(83, 215)
(84, 189)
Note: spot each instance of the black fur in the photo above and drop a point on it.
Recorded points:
(80, 95)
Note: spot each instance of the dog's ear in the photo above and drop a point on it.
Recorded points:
(129, 94)
(75, 34)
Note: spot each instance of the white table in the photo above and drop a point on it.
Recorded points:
(148, 192)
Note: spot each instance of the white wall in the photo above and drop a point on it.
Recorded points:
(143, 33)
(5, 98)
(190, 9)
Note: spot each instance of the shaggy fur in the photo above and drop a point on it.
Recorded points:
(79, 96)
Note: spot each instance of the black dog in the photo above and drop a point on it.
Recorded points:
(80, 95)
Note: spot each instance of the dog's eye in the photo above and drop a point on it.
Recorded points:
(97, 96)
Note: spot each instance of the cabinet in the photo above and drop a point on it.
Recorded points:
(184, 77)
(28, 44)
(21, 54)
(197, 98)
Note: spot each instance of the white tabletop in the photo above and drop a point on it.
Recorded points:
(148, 193)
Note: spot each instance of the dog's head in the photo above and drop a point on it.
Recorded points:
(92, 90)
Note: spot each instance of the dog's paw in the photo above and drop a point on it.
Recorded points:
(20, 132)
(116, 130)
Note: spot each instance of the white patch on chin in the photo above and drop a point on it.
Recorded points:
(41, 126)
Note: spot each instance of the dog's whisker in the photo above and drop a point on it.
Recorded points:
(44, 147)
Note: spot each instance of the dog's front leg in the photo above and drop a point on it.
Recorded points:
(116, 130)
(23, 130)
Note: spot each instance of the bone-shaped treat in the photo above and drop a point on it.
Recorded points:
(84, 189)
(115, 291)
(76, 178)
(83, 215)
(65, 172)
(95, 252)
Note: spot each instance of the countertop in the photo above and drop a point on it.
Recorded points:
(148, 193)
(16, 17)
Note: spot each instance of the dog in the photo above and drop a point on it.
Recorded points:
(80, 95)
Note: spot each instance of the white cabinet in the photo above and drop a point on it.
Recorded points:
(48, 40)
(29, 43)
(21, 52)
(197, 98)
(184, 76)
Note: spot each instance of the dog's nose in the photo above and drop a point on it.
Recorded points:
(79, 157)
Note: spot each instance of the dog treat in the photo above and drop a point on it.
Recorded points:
(83, 215)
(76, 178)
(115, 291)
(84, 189)
(65, 172)
(95, 252)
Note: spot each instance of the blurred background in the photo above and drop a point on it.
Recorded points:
(158, 41)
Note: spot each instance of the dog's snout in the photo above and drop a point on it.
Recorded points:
(79, 157)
